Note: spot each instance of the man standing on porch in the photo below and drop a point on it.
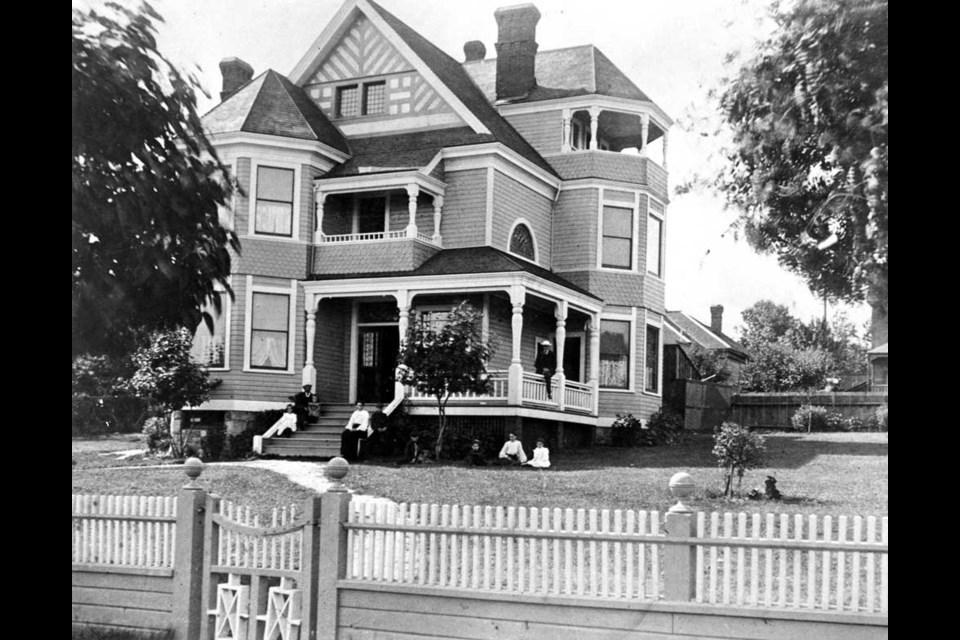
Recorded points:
(546, 363)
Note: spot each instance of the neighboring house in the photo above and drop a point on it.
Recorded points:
(708, 337)
(877, 358)
(384, 181)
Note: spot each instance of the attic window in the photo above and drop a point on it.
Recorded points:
(521, 242)
(374, 95)
(348, 101)
(350, 105)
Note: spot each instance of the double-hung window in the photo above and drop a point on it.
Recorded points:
(652, 379)
(274, 212)
(615, 354)
(654, 242)
(617, 238)
(269, 331)
(366, 99)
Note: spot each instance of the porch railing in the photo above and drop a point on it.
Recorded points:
(534, 389)
(375, 236)
(499, 381)
(578, 395)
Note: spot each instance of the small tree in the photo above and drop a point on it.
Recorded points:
(168, 379)
(737, 449)
(446, 360)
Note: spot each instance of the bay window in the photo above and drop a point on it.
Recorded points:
(614, 354)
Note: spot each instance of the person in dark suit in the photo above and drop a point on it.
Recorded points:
(546, 363)
(301, 404)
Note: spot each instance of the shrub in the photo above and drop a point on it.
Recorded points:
(856, 423)
(816, 418)
(625, 431)
(881, 417)
(213, 443)
(664, 427)
(737, 450)
(156, 435)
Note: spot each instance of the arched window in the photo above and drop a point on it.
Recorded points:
(521, 242)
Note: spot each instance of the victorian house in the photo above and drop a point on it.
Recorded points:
(384, 181)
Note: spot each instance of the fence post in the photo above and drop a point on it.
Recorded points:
(309, 565)
(332, 550)
(680, 580)
(188, 555)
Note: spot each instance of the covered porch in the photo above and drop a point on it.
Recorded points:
(520, 309)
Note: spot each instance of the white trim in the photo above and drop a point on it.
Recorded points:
(238, 405)
(428, 168)
(580, 103)
(354, 338)
(255, 143)
(255, 164)
(380, 125)
(332, 33)
(663, 237)
(503, 410)
(536, 253)
(290, 291)
(635, 230)
(596, 183)
(488, 209)
(454, 160)
(380, 182)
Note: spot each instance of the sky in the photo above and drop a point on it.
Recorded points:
(672, 50)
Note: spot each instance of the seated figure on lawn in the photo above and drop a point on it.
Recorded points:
(413, 452)
(541, 456)
(512, 451)
(475, 455)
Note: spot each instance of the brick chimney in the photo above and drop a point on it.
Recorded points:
(474, 51)
(716, 318)
(516, 50)
(236, 73)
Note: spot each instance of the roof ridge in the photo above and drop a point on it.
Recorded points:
(303, 118)
(255, 98)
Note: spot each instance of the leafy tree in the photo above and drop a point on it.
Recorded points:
(148, 246)
(780, 366)
(101, 401)
(710, 363)
(808, 167)
(765, 322)
(168, 379)
(737, 450)
(447, 360)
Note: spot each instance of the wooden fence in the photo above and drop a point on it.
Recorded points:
(338, 567)
(774, 410)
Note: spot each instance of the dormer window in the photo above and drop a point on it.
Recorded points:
(350, 105)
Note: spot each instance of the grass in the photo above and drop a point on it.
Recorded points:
(820, 473)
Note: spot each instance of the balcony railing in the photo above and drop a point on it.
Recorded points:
(365, 237)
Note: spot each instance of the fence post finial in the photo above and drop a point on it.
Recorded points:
(681, 486)
(193, 467)
(336, 470)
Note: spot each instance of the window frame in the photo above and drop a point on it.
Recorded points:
(632, 239)
(631, 320)
(533, 240)
(362, 88)
(338, 99)
(255, 164)
(653, 321)
(365, 95)
(662, 219)
(291, 292)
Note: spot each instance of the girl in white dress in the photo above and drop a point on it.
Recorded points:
(287, 422)
(541, 456)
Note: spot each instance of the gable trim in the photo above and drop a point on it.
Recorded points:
(220, 140)
(511, 163)
(323, 45)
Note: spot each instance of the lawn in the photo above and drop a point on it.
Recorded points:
(826, 473)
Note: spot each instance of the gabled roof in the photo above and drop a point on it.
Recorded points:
(272, 105)
(562, 73)
(879, 350)
(702, 334)
(469, 260)
(453, 76)
(404, 151)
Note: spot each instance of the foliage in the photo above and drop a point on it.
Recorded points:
(882, 417)
(737, 450)
(765, 322)
(663, 428)
(808, 167)
(101, 404)
(445, 361)
(710, 363)
(168, 379)
(815, 418)
(213, 442)
(156, 435)
(148, 244)
(783, 367)
(625, 431)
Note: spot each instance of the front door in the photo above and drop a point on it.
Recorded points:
(376, 361)
(571, 358)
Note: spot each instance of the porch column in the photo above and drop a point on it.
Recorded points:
(437, 213)
(644, 133)
(319, 198)
(594, 125)
(565, 143)
(309, 371)
(518, 294)
(666, 138)
(593, 331)
(561, 332)
(403, 305)
(413, 191)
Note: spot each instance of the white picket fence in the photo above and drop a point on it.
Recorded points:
(840, 565)
(130, 531)
(241, 549)
(515, 549)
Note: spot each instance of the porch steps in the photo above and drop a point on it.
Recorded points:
(318, 439)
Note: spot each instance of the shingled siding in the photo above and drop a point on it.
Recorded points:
(464, 209)
(575, 230)
(400, 213)
(274, 258)
(331, 352)
(512, 200)
(608, 165)
(371, 257)
(241, 203)
(544, 130)
(308, 210)
(251, 385)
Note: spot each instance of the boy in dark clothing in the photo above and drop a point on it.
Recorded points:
(546, 363)
(475, 455)
(413, 453)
